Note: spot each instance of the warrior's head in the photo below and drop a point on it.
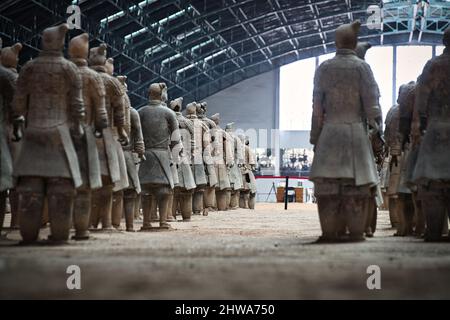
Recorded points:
(10, 56)
(361, 49)
(191, 109)
(446, 39)
(53, 38)
(109, 65)
(158, 92)
(97, 55)
(229, 127)
(123, 81)
(177, 104)
(216, 118)
(347, 35)
(406, 92)
(79, 47)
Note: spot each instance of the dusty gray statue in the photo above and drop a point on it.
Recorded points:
(185, 187)
(8, 80)
(134, 154)
(49, 95)
(209, 195)
(9, 149)
(223, 159)
(112, 159)
(379, 150)
(234, 170)
(161, 134)
(432, 170)
(401, 205)
(200, 140)
(343, 169)
(248, 193)
(86, 146)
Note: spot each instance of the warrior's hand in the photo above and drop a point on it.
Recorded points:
(123, 137)
(139, 149)
(18, 128)
(78, 131)
(394, 162)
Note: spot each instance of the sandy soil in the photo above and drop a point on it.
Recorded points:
(263, 254)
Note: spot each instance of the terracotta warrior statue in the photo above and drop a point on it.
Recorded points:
(200, 142)
(248, 193)
(400, 197)
(9, 57)
(49, 95)
(234, 170)
(95, 122)
(432, 171)
(134, 154)
(112, 159)
(8, 80)
(185, 187)
(379, 150)
(410, 140)
(343, 169)
(209, 195)
(223, 159)
(161, 134)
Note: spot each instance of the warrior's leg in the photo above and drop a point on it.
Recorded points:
(106, 196)
(153, 209)
(137, 207)
(328, 207)
(170, 207)
(234, 201)
(60, 195)
(228, 195)
(164, 196)
(370, 206)
(355, 211)
(32, 197)
(392, 205)
(197, 202)
(242, 200)
(252, 201)
(3, 196)
(81, 214)
(147, 203)
(186, 206)
(14, 204)
(419, 216)
(221, 196)
(434, 210)
(129, 203)
(408, 214)
(209, 197)
(117, 209)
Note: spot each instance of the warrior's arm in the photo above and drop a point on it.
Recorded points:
(136, 132)
(318, 112)
(370, 98)
(423, 91)
(98, 98)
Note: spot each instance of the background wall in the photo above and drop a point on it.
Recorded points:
(253, 104)
(250, 104)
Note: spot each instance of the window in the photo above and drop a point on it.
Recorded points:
(296, 89)
(380, 61)
(410, 63)
(439, 50)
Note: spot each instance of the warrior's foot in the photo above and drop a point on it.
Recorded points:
(82, 236)
(165, 226)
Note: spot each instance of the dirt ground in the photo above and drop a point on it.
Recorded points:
(263, 254)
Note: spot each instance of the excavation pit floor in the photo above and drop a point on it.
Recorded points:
(268, 253)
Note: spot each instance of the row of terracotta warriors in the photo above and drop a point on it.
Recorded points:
(74, 152)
